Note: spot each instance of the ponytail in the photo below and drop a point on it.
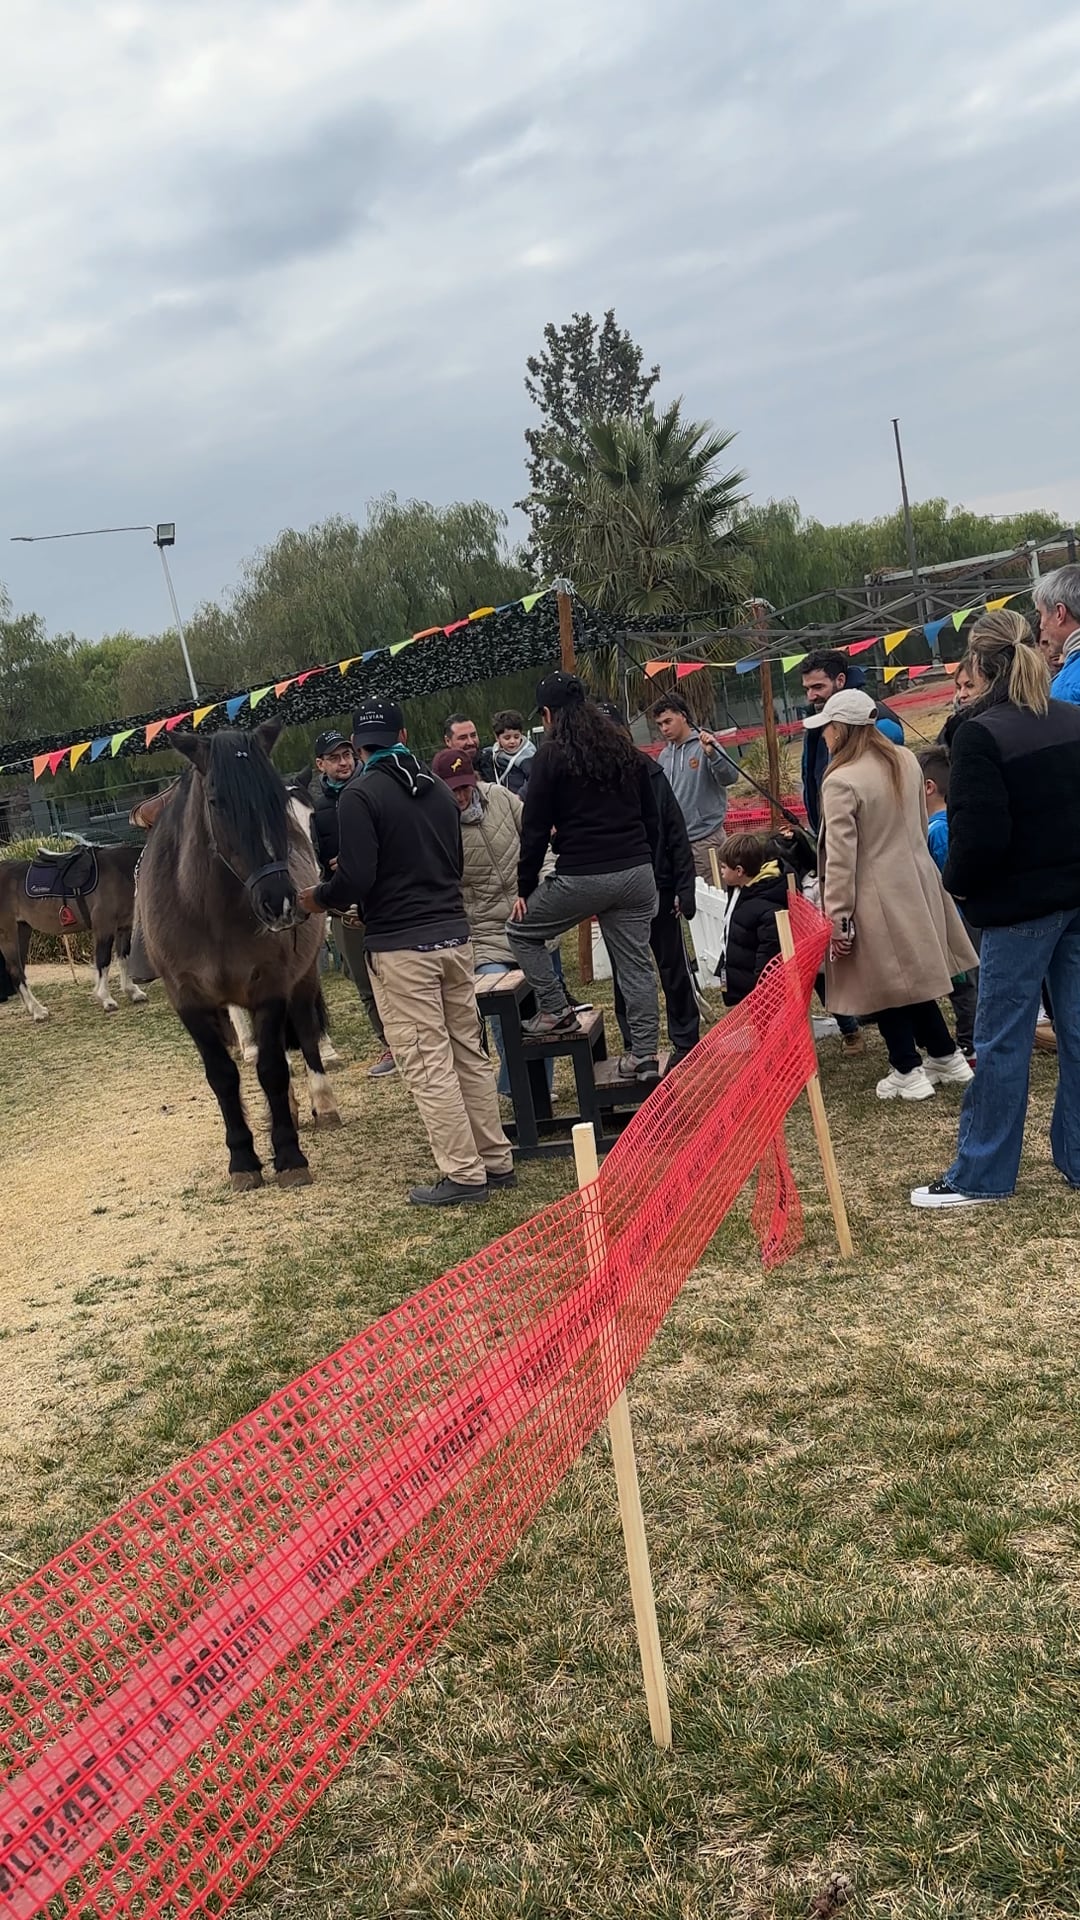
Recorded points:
(1002, 652)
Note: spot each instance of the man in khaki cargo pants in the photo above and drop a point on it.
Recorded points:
(400, 860)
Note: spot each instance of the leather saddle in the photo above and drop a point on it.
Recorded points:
(65, 876)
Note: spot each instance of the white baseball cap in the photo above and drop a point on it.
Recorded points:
(851, 707)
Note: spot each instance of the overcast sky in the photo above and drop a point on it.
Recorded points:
(265, 260)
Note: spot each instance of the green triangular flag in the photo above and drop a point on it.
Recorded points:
(118, 739)
(531, 599)
(959, 618)
(398, 647)
(791, 660)
(260, 693)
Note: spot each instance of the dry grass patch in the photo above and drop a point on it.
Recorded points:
(862, 1488)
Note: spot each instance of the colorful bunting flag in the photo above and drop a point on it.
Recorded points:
(426, 632)
(653, 667)
(914, 672)
(860, 646)
(791, 660)
(964, 613)
(200, 713)
(233, 706)
(891, 673)
(932, 629)
(54, 759)
(480, 614)
(77, 752)
(456, 625)
(98, 747)
(40, 762)
(118, 739)
(892, 640)
(993, 605)
(689, 666)
(747, 666)
(176, 721)
(528, 603)
(260, 693)
(950, 666)
(408, 643)
(154, 727)
(301, 678)
(344, 665)
(283, 684)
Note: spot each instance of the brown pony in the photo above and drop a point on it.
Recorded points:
(108, 912)
(218, 886)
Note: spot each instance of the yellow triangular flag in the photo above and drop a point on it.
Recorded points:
(200, 714)
(891, 672)
(993, 605)
(344, 665)
(892, 640)
(77, 752)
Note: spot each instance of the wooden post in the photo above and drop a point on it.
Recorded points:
(630, 1513)
(821, 1121)
(70, 957)
(768, 707)
(715, 865)
(568, 664)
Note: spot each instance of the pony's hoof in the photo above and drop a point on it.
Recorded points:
(324, 1122)
(245, 1182)
(138, 998)
(294, 1177)
(109, 1006)
(41, 1014)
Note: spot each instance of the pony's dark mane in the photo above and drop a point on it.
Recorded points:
(249, 794)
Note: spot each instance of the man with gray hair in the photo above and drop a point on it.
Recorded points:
(1057, 597)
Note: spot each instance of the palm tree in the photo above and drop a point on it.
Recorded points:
(646, 524)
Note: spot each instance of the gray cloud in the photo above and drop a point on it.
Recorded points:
(261, 267)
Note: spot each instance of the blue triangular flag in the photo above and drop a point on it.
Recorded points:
(370, 654)
(934, 629)
(747, 666)
(233, 706)
(98, 747)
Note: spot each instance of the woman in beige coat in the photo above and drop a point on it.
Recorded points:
(897, 937)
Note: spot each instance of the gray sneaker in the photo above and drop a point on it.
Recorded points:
(448, 1193)
(384, 1064)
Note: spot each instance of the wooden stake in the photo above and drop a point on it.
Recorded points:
(630, 1511)
(715, 865)
(821, 1121)
(568, 664)
(70, 956)
(768, 708)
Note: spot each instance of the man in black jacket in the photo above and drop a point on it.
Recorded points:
(676, 880)
(400, 860)
(335, 764)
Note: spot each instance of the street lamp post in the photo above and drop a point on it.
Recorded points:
(164, 536)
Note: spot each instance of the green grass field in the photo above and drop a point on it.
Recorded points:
(861, 1484)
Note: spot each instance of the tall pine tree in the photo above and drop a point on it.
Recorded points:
(585, 373)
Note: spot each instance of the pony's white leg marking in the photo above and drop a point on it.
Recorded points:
(33, 1006)
(101, 992)
(244, 1029)
(322, 1096)
(127, 985)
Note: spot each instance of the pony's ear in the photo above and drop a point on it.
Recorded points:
(268, 734)
(193, 747)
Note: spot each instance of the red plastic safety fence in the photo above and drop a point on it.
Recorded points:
(178, 1687)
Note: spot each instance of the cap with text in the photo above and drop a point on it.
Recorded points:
(379, 723)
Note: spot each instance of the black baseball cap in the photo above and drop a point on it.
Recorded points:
(329, 742)
(560, 690)
(378, 724)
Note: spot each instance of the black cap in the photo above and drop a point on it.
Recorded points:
(329, 742)
(377, 724)
(560, 690)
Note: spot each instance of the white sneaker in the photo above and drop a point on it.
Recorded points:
(940, 1195)
(906, 1086)
(824, 1026)
(953, 1071)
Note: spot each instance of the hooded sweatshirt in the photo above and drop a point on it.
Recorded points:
(400, 859)
(698, 781)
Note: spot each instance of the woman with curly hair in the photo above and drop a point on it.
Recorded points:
(590, 795)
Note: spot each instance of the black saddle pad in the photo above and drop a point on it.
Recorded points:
(66, 878)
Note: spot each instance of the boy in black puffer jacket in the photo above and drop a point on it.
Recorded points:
(757, 888)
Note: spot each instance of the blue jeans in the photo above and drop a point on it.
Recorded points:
(495, 1027)
(1013, 962)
